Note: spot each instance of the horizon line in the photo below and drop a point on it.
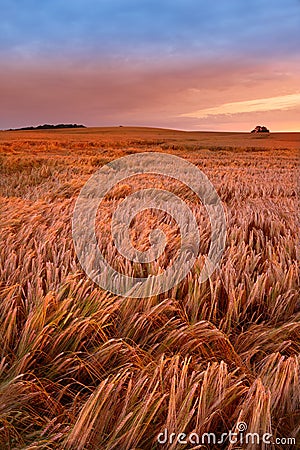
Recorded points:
(142, 126)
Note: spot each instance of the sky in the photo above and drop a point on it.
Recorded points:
(225, 65)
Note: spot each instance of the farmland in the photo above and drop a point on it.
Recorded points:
(81, 368)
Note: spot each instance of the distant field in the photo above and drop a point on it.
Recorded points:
(162, 136)
(83, 369)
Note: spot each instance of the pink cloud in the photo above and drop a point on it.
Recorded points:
(153, 93)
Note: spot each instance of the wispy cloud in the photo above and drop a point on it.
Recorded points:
(282, 102)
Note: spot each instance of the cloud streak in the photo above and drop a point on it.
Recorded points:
(282, 102)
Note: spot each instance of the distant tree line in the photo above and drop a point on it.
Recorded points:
(46, 126)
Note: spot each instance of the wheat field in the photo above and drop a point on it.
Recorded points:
(83, 369)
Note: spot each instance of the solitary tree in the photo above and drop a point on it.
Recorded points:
(260, 129)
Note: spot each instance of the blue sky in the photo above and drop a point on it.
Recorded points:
(127, 41)
(159, 28)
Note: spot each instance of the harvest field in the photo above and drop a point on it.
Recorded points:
(83, 369)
